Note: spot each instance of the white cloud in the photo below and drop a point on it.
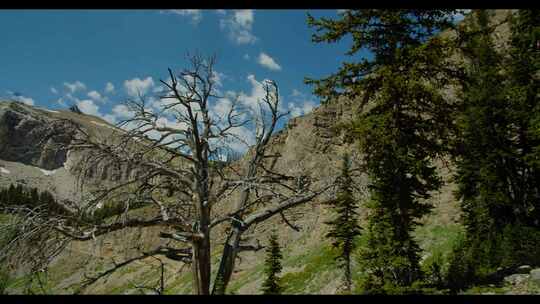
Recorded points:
(95, 95)
(221, 12)
(268, 62)
(76, 86)
(122, 111)
(301, 104)
(54, 91)
(20, 98)
(257, 93)
(239, 25)
(27, 100)
(218, 78)
(110, 118)
(194, 14)
(302, 109)
(109, 87)
(137, 86)
(61, 102)
(244, 17)
(87, 106)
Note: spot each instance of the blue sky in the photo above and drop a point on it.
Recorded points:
(58, 57)
(98, 58)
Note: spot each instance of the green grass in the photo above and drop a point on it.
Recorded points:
(437, 240)
(316, 261)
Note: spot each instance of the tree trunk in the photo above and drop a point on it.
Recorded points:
(204, 258)
(348, 279)
(195, 269)
(228, 260)
(201, 257)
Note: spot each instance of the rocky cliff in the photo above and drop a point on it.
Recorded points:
(33, 150)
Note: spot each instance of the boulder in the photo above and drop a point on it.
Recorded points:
(535, 275)
(525, 269)
(516, 279)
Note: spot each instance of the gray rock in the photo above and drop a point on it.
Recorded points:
(30, 137)
(524, 269)
(516, 279)
(535, 275)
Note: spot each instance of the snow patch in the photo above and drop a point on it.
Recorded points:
(48, 172)
(52, 111)
(4, 170)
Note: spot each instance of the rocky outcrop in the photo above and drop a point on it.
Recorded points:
(34, 151)
(29, 137)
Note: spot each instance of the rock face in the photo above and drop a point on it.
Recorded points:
(516, 279)
(33, 150)
(535, 275)
(29, 137)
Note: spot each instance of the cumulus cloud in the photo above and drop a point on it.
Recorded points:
(54, 91)
(122, 111)
(110, 118)
(75, 87)
(243, 136)
(27, 100)
(257, 93)
(300, 104)
(109, 87)
(194, 14)
(87, 106)
(301, 109)
(296, 93)
(137, 86)
(96, 96)
(218, 78)
(20, 98)
(61, 102)
(268, 62)
(239, 26)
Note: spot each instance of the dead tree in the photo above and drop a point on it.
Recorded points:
(176, 150)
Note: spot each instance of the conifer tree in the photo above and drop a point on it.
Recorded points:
(523, 88)
(497, 170)
(344, 227)
(272, 267)
(402, 127)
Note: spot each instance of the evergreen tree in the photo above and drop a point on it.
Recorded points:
(272, 267)
(498, 175)
(344, 227)
(402, 128)
(523, 87)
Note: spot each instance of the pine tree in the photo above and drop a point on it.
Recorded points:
(498, 178)
(484, 127)
(344, 227)
(523, 86)
(402, 128)
(272, 267)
